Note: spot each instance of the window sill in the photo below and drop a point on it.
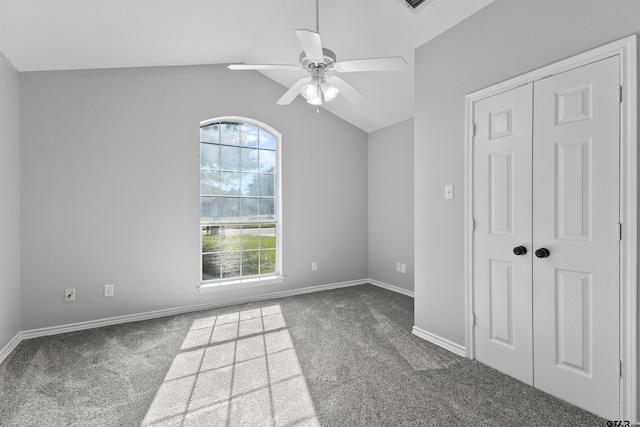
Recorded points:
(233, 284)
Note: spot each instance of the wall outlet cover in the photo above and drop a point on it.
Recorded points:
(108, 290)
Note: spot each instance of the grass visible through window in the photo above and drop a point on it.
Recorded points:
(238, 250)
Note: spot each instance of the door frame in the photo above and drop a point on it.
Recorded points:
(626, 49)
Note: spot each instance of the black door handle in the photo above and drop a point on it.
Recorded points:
(543, 253)
(520, 250)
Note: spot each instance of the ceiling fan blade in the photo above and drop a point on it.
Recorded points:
(293, 91)
(350, 92)
(264, 67)
(394, 63)
(311, 44)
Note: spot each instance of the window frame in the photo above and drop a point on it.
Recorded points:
(224, 284)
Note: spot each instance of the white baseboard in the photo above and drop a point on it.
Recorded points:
(54, 330)
(441, 342)
(61, 329)
(11, 345)
(391, 287)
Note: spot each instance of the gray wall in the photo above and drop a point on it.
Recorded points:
(9, 201)
(391, 204)
(503, 40)
(110, 173)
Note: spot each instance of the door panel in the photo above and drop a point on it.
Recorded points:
(501, 302)
(501, 193)
(573, 190)
(575, 216)
(502, 210)
(573, 329)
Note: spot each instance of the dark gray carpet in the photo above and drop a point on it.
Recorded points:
(344, 357)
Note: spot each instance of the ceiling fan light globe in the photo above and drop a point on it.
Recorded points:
(315, 101)
(330, 92)
(309, 91)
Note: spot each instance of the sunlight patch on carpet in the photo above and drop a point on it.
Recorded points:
(235, 369)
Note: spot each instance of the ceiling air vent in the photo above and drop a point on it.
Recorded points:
(415, 5)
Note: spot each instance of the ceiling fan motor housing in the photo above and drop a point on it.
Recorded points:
(329, 58)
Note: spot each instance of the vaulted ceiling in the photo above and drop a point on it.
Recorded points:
(40, 35)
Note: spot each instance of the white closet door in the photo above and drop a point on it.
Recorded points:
(575, 217)
(502, 211)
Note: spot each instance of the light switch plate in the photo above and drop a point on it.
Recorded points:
(448, 191)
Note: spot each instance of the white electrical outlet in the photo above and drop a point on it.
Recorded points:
(314, 266)
(70, 294)
(108, 290)
(398, 267)
(403, 268)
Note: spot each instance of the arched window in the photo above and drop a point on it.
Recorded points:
(239, 201)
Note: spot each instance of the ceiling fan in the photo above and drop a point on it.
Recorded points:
(320, 62)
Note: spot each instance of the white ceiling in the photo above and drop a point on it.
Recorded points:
(83, 34)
